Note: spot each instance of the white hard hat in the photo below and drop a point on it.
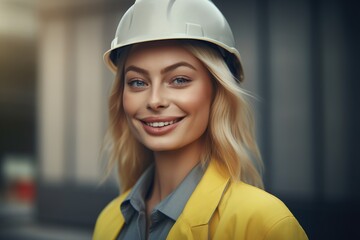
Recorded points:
(152, 20)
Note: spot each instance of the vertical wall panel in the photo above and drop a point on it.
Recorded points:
(334, 98)
(89, 89)
(51, 116)
(291, 141)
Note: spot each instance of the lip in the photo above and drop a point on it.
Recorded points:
(159, 131)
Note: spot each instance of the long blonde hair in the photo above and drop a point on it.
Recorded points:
(230, 139)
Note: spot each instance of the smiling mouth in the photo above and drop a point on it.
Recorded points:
(160, 124)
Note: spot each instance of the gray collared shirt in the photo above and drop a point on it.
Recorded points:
(164, 215)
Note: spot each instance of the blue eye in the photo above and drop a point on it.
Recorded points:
(137, 83)
(180, 81)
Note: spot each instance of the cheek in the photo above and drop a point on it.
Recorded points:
(203, 104)
(129, 104)
(197, 103)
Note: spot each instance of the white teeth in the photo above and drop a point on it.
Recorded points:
(160, 124)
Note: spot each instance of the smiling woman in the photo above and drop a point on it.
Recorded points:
(181, 133)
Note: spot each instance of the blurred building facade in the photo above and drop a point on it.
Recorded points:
(299, 59)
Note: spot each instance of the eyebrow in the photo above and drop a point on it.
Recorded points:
(165, 70)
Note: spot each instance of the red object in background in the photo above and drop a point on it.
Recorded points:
(25, 190)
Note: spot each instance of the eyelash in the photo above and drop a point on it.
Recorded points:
(139, 84)
(184, 80)
(132, 83)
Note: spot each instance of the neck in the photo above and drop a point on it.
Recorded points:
(171, 167)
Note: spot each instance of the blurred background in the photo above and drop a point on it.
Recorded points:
(300, 59)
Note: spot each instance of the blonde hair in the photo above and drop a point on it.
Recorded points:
(230, 139)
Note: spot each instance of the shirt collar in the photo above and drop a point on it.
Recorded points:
(135, 201)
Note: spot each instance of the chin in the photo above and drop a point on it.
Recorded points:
(161, 146)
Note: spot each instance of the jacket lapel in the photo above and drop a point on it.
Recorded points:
(110, 220)
(193, 223)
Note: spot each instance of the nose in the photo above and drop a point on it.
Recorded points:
(157, 99)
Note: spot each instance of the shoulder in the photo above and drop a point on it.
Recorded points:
(110, 219)
(255, 200)
(257, 213)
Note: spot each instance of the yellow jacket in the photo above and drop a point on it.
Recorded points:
(219, 208)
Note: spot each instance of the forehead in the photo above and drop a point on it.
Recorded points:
(160, 52)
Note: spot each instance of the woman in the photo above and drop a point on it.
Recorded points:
(181, 132)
